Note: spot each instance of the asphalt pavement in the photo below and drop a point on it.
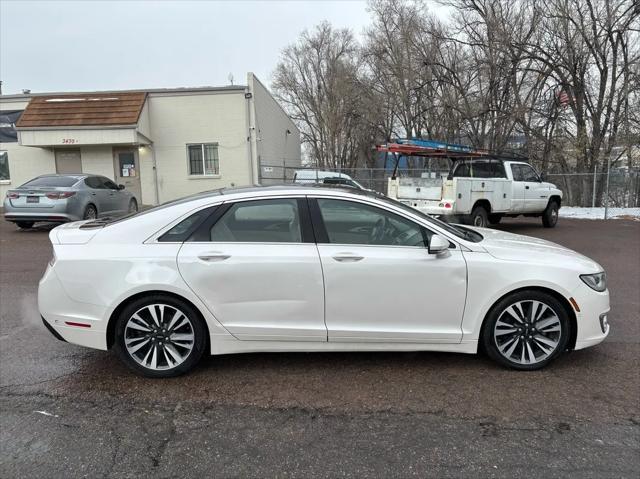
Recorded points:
(67, 411)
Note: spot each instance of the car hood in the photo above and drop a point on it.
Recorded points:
(514, 247)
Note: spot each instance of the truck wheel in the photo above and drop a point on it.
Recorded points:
(479, 217)
(550, 215)
(495, 219)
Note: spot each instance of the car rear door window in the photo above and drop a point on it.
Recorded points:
(186, 227)
(260, 221)
(93, 182)
(108, 184)
(350, 222)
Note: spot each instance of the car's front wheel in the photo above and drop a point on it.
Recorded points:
(526, 330)
(160, 336)
(550, 215)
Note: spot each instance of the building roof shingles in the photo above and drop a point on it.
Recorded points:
(85, 109)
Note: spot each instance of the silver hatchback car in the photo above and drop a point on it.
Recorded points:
(62, 198)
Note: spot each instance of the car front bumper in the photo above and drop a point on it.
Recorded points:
(593, 306)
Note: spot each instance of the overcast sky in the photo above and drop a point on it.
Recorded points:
(98, 45)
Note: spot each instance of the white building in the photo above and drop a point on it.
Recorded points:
(161, 144)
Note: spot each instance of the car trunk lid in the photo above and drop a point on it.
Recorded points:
(35, 197)
(72, 233)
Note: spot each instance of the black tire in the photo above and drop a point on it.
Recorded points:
(490, 341)
(495, 219)
(170, 303)
(550, 215)
(25, 225)
(479, 217)
(133, 206)
(90, 212)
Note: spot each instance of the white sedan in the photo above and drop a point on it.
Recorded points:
(313, 269)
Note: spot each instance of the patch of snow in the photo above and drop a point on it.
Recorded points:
(598, 213)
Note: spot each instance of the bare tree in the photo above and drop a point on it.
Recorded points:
(317, 81)
(588, 47)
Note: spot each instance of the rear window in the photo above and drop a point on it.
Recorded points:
(480, 169)
(54, 181)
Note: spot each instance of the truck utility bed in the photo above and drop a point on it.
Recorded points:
(479, 188)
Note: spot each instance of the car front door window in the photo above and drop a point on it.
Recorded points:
(348, 222)
(529, 174)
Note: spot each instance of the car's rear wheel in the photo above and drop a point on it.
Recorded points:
(550, 215)
(90, 213)
(160, 336)
(133, 205)
(24, 225)
(526, 330)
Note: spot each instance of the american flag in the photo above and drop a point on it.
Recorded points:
(563, 98)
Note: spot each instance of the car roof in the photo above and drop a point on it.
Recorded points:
(293, 188)
(70, 175)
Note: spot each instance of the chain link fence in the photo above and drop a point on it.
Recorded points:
(579, 189)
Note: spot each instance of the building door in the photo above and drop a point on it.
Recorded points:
(127, 170)
(68, 162)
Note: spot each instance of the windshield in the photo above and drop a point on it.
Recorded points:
(51, 181)
(456, 230)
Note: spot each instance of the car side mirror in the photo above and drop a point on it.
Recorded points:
(543, 177)
(121, 187)
(438, 245)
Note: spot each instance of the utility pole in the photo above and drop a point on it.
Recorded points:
(606, 199)
(595, 172)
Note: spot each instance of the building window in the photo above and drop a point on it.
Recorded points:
(4, 166)
(203, 159)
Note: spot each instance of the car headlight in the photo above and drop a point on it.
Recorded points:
(597, 281)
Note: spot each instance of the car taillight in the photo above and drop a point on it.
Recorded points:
(60, 195)
(12, 195)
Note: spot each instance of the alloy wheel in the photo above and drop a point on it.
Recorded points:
(159, 336)
(527, 332)
(90, 213)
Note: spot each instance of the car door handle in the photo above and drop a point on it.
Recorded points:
(347, 257)
(526, 187)
(213, 256)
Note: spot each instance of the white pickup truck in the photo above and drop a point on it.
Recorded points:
(481, 192)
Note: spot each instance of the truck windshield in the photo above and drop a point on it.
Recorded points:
(461, 232)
